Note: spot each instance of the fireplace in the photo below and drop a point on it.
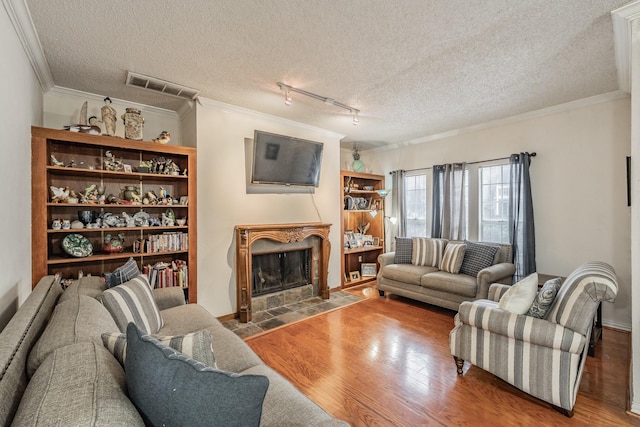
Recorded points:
(277, 271)
(295, 236)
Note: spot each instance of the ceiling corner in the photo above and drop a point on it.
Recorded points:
(622, 34)
(20, 17)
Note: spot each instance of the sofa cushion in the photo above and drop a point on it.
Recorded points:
(230, 351)
(458, 284)
(91, 286)
(78, 385)
(78, 319)
(427, 251)
(404, 249)
(169, 388)
(284, 405)
(477, 257)
(129, 270)
(520, 296)
(197, 345)
(133, 302)
(544, 298)
(407, 273)
(452, 258)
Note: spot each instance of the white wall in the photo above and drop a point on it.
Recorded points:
(578, 183)
(62, 108)
(20, 107)
(224, 203)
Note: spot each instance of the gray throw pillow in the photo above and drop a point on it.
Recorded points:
(543, 301)
(122, 274)
(477, 257)
(404, 250)
(171, 389)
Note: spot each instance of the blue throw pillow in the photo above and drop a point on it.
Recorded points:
(544, 299)
(477, 257)
(404, 250)
(123, 273)
(169, 388)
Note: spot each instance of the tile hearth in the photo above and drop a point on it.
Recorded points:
(272, 317)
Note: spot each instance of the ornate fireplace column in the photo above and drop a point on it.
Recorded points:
(246, 235)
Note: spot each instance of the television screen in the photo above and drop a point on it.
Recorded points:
(284, 160)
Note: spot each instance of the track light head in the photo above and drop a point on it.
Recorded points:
(287, 98)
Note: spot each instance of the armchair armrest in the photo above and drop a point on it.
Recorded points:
(496, 290)
(495, 273)
(485, 315)
(169, 297)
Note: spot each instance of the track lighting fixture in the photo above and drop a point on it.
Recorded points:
(329, 101)
(287, 98)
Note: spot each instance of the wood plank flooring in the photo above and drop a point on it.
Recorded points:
(386, 362)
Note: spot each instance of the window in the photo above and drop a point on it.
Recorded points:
(494, 203)
(416, 205)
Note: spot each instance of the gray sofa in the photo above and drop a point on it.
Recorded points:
(65, 375)
(429, 284)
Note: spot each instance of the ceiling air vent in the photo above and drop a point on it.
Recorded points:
(157, 85)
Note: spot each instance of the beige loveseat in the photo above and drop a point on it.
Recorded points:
(429, 284)
(55, 370)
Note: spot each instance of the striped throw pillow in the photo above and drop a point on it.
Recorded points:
(452, 258)
(122, 274)
(426, 251)
(133, 301)
(197, 345)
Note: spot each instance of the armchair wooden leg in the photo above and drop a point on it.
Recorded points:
(566, 412)
(459, 364)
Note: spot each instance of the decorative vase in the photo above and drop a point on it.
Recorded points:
(133, 124)
(129, 192)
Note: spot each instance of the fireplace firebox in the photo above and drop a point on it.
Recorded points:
(277, 271)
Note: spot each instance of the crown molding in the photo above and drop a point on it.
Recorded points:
(86, 96)
(580, 103)
(622, 36)
(20, 17)
(217, 105)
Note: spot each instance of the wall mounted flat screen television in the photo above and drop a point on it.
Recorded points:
(284, 160)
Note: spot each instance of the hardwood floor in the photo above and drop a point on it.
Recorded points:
(386, 362)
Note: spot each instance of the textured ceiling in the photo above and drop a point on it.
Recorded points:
(413, 68)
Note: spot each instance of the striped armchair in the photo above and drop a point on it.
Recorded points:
(542, 357)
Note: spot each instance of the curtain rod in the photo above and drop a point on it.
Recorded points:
(469, 163)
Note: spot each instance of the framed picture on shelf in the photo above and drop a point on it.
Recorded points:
(351, 237)
(368, 269)
(354, 276)
(367, 240)
(376, 241)
(127, 168)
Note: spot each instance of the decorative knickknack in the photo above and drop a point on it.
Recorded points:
(357, 164)
(133, 124)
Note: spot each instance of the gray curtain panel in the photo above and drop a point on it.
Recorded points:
(449, 216)
(398, 210)
(521, 224)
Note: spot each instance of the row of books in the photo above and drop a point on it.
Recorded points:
(172, 241)
(166, 275)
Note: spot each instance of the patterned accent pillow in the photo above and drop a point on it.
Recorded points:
(427, 251)
(452, 258)
(519, 298)
(197, 345)
(477, 257)
(123, 273)
(162, 382)
(544, 299)
(133, 301)
(404, 248)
